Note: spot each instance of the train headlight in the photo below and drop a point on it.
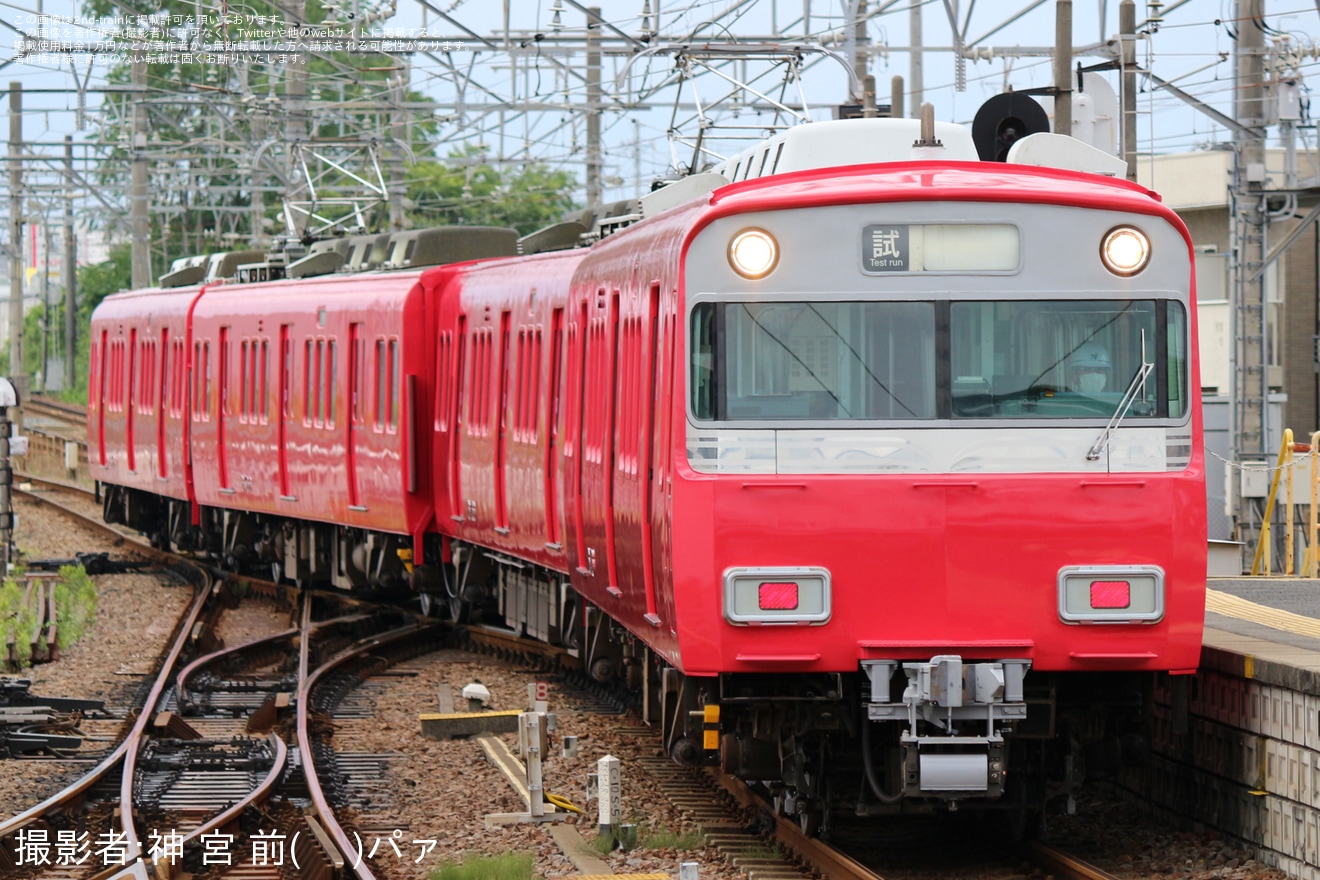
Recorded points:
(753, 253)
(1125, 250)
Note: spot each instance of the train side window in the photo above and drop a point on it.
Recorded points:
(146, 376)
(332, 367)
(176, 381)
(441, 363)
(197, 380)
(319, 384)
(243, 382)
(474, 383)
(206, 381)
(378, 420)
(517, 361)
(481, 383)
(394, 377)
(263, 406)
(704, 390)
(307, 381)
(357, 355)
(532, 397)
(1176, 328)
(252, 381)
(286, 382)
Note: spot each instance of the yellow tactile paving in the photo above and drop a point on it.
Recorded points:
(1234, 606)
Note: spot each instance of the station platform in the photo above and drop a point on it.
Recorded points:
(1272, 621)
(1236, 747)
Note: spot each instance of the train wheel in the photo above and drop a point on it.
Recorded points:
(811, 820)
(459, 611)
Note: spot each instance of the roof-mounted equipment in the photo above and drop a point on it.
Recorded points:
(449, 244)
(556, 237)
(323, 257)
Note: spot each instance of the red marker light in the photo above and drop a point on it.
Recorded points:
(777, 597)
(1111, 594)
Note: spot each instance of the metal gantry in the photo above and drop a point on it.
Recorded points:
(661, 87)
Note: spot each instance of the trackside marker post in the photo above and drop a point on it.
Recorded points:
(8, 399)
(609, 789)
(529, 734)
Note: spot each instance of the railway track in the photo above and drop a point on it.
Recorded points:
(739, 822)
(212, 754)
(51, 426)
(183, 783)
(89, 802)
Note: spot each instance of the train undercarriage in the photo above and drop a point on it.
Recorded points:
(893, 737)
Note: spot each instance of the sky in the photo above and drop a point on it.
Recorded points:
(1192, 46)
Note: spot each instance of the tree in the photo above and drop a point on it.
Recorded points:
(470, 191)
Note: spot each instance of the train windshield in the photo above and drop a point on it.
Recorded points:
(883, 361)
(758, 361)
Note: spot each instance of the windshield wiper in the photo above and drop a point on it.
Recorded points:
(1136, 386)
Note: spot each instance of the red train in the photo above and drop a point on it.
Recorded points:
(883, 481)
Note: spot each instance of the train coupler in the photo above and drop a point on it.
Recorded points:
(955, 715)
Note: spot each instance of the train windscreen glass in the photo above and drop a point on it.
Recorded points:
(821, 361)
(1068, 359)
(880, 361)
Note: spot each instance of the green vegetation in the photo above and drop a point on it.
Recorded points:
(663, 838)
(604, 843)
(75, 607)
(470, 191)
(762, 851)
(75, 604)
(510, 866)
(648, 837)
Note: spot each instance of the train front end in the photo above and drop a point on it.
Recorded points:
(943, 488)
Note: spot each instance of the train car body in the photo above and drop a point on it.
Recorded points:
(299, 403)
(137, 400)
(882, 482)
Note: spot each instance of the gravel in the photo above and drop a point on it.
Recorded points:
(134, 619)
(443, 791)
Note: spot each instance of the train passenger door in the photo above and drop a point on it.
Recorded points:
(647, 472)
(458, 394)
(554, 395)
(101, 357)
(129, 434)
(357, 352)
(598, 448)
(285, 412)
(162, 447)
(577, 434)
(610, 432)
(222, 401)
(501, 436)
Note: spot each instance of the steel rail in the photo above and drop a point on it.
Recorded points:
(63, 485)
(77, 789)
(165, 867)
(50, 404)
(134, 739)
(187, 672)
(829, 861)
(322, 806)
(96, 525)
(1063, 865)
